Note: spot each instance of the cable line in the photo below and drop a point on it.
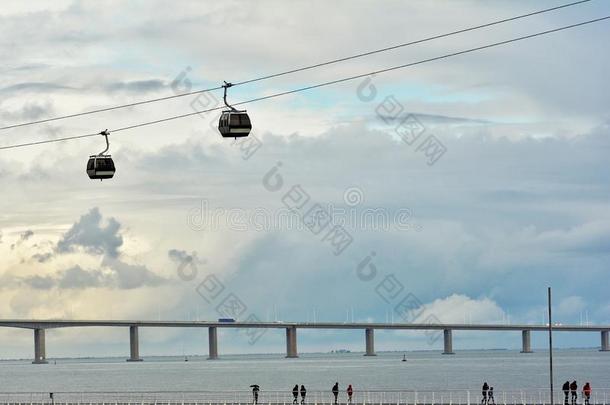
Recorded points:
(315, 86)
(301, 69)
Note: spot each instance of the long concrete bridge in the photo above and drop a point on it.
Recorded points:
(40, 326)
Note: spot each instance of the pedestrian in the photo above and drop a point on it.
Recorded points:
(295, 394)
(350, 392)
(566, 392)
(574, 390)
(255, 390)
(586, 393)
(484, 393)
(335, 390)
(303, 393)
(490, 396)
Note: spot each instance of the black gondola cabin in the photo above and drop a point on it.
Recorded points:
(100, 167)
(234, 124)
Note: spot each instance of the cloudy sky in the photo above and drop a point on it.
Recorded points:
(467, 185)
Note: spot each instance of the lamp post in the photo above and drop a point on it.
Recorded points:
(552, 402)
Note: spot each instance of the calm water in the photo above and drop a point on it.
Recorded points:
(506, 370)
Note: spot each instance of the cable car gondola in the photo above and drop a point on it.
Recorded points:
(233, 123)
(101, 166)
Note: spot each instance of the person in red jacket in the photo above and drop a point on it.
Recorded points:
(586, 392)
(350, 392)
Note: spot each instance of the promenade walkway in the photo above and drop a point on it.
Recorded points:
(370, 397)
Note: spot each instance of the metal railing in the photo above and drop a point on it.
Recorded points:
(313, 397)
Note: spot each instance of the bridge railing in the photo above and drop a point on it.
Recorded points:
(313, 397)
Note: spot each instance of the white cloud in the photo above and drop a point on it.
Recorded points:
(459, 308)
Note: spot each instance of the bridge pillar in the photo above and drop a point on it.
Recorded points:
(40, 350)
(605, 341)
(369, 334)
(526, 339)
(291, 342)
(448, 335)
(212, 343)
(134, 344)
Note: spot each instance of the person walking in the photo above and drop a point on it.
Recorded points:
(574, 390)
(490, 396)
(295, 394)
(303, 393)
(484, 393)
(335, 390)
(255, 390)
(350, 392)
(566, 392)
(586, 393)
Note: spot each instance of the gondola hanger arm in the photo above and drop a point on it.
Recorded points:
(225, 86)
(105, 134)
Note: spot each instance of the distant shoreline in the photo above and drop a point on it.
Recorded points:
(330, 354)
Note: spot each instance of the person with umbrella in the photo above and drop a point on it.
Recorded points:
(255, 390)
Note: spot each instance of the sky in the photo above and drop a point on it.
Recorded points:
(463, 187)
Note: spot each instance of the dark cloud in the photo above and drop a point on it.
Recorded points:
(39, 282)
(127, 276)
(137, 86)
(42, 87)
(181, 256)
(42, 257)
(113, 275)
(75, 278)
(178, 255)
(31, 110)
(26, 235)
(89, 234)
(435, 119)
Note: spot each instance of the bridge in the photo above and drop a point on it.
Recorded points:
(40, 326)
